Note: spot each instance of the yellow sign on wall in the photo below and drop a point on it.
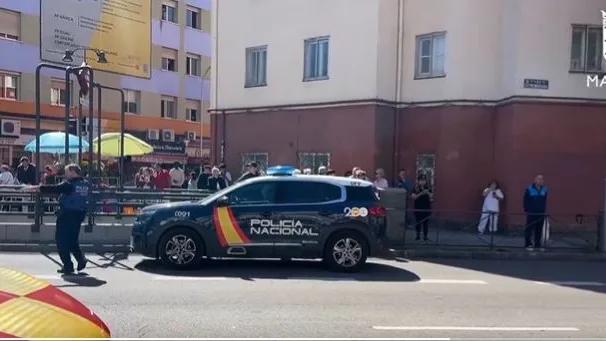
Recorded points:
(120, 28)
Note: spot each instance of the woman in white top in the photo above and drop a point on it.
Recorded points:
(490, 209)
(380, 181)
(6, 177)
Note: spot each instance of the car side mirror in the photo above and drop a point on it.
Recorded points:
(223, 201)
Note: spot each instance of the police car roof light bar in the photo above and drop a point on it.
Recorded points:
(281, 170)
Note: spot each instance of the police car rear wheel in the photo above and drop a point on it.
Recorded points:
(346, 252)
(181, 248)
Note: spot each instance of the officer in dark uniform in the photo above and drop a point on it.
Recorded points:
(74, 191)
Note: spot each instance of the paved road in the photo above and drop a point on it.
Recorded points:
(485, 300)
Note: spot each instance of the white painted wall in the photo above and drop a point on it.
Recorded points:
(491, 46)
(283, 26)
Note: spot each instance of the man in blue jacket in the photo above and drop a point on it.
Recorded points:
(535, 206)
(73, 191)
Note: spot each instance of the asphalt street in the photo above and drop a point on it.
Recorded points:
(439, 300)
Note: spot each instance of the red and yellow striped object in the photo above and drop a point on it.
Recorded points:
(228, 230)
(32, 308)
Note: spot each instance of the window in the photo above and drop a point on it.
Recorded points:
(192, 65)
(430, 55)
(10, 24)
(426, 165)
(169, 60)
(316, 59)
(262, 160)
(193, 17)
(169, 11)
(57, 92)
(586, 49)
(258, 193)
(9, 84)
(360, 193)
(168, 107)
(256, 66)
(192, 110)
(313, 160)
(131, 101)
(305, 192)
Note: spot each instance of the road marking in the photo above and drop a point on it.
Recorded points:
(573, 283)
(48, 277)
(187, 278)
(484, 329)
(451, 281)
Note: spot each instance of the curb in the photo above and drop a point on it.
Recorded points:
(496, 255)
(90, 248)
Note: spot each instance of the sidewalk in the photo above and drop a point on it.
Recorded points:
(468, 244)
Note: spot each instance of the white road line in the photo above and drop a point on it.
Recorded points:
(48, 277)
(484, 329)
(187, 278)
(573, 283)
(451, 281)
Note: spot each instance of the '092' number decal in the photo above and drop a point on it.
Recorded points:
(355, 211)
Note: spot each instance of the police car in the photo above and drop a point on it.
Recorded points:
(333, 218)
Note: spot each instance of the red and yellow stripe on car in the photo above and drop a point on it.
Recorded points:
(32, 308)
(228, 230)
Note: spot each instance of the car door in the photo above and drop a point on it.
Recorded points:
(248, 206)
(305, 215)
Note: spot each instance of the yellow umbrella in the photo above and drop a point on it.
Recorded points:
(110, 145)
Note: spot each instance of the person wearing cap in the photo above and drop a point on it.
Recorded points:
(331, 172)
(251, 172)
(73, 200)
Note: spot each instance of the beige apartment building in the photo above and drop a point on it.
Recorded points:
(166, 109)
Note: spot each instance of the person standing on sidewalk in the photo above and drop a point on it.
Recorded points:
(422, 196)
(74, 191)
(535, 206)
(490, 209)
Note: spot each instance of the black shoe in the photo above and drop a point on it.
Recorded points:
(65, 271)
(82, 265)
(418, 238)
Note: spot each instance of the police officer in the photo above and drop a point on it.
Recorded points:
(74, 191)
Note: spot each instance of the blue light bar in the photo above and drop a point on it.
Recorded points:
(280, 170)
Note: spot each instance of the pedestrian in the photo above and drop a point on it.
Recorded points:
(177, 176)
(331, 172)
(252, 170)
(161, 178)
(490, 208)
(202, 182)
(354, 172)
(422, 196)
(535, 206)
(216, 182)
(403, 181)
(26, 172)
(322, 170)
(192, 183)
(225, 173)
(380, 181)
(6, 177)
(307, 171)
(74, 191)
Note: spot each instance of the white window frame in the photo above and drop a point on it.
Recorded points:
(165, 7)
(166, 59)
(436, 56)
(425, 164)
(193, 105)
(165, 106)
(59, 93)
(12, 33)
(192, 65)
(256, 67)
(316, 63)
(15, 82)
(188, 22)
(132, 97)
(580, 64)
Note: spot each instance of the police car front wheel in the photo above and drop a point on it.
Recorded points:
(346, 251)
(181, 248)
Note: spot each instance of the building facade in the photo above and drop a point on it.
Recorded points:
(462, 90)
(166, 110)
